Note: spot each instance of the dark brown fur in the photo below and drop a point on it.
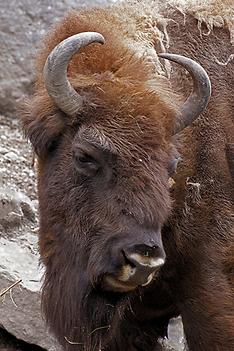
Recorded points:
(132, 119)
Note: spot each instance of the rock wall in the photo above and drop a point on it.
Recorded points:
(20, 311)
(22, 24)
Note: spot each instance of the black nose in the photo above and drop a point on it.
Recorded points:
(145, 260)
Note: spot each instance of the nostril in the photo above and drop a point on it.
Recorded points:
(150, 257)
(148, 251)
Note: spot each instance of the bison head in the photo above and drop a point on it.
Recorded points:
(105, 151)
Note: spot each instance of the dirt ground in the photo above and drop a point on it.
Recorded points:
(16, 157)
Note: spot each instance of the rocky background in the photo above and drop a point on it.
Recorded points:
(22, 25)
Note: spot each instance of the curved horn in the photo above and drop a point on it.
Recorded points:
(199, 97)
(55, 71)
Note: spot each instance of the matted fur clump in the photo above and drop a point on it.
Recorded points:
(212, 13)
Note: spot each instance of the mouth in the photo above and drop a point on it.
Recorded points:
(136, 266)
(126, 281)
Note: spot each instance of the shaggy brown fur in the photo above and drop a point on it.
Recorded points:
(133, 99)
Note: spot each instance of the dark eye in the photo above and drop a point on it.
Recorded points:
(86, 160)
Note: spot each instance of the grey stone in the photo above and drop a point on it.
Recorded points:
(176, 340)
(11, 156)
(20, 311)
(15, 208)
(3, 150)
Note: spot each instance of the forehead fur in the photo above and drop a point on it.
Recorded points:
(114, 80)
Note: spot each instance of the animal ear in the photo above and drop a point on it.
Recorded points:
(41, 124)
